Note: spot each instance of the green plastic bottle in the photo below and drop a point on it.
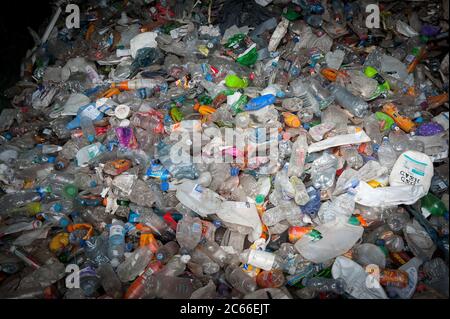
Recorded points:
(373, 74)
(235, 82)
(388, 121)
(433, 205)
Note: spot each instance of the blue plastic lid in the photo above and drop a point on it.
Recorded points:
(165, 186)
(64, 222)
(159, 256)
(91, 138)
(234, 171)
(8, 136)
(52, 159)
(419, 120)
(93, 184)
(57, 207)
(209, 77)
(217, 223)
(133, 217)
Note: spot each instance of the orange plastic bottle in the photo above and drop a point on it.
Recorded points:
(405, 123)
(137, 288)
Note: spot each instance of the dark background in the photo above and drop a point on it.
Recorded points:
(15, 40)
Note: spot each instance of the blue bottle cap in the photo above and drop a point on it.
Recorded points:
(93, 184)
(8, 136)
(165, 186)
(63, 222)
(234, 171)
(52, 159)
(133, 217)
(217, 223)
(57, 207)
(91, 138)
(208, 77)
(160, 256)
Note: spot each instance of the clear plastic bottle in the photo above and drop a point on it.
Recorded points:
(208, 266)
(303, 91)
(88, 128)
(109, 281)
(148, 217)
(354, 104)
(167, 251)
(116, 246)
(134, 264)
(230, 184)
(175, 266)
(96, 249)
(301, 195)
(167, 287)
(89, 281)
(352, 157)
(142, 194)
(323, 171)
(372, 128)
(298, 155)
(215, 252)
(277, 214)
(189, 232)
(240, 280)
(386, 154)
(336, 286)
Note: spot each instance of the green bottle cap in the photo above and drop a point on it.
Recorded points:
(259, 199)
(71, 191)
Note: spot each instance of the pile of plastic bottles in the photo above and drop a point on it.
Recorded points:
(98, 201)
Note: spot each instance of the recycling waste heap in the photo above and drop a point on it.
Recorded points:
(119, 177)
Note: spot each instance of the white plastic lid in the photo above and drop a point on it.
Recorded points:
(125, 123)
(122, 111)
(185, 259)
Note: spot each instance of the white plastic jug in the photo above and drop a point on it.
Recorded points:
(338, 238)
(412, 168)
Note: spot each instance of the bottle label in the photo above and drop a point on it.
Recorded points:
(261, 259)
(116, 230)
(91, 112)
(197, 192)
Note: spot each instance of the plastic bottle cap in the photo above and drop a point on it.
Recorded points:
(91, 138)
(234, 171)
(114, 262)
(159, 256)
(164, 186)
(122, 111)
(57, 207)
(185, 259)
(71, 190)
(64, 223)
(125, 123)
(259, 199)
(52, 159)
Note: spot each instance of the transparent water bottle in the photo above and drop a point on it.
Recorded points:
(386, 154)
(356, 105)
(336, 286)
(323, 171)
(240, 280)
(116, 241)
